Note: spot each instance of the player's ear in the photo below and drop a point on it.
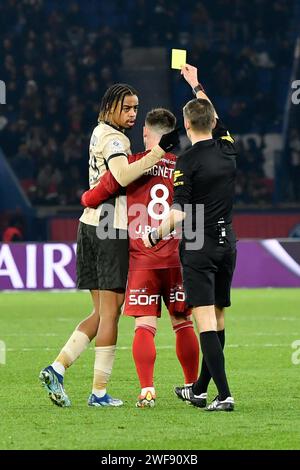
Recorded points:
(145, 131)
(187, 124)
(214, 123)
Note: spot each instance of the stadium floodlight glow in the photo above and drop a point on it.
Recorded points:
(2, 92)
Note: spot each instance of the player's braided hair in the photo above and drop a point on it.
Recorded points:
(112, 97)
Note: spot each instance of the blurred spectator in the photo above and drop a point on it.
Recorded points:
(14, 230)
(58, 58)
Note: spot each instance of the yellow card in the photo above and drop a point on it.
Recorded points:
(178, 58)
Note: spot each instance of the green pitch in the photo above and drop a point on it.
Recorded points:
(261, 327)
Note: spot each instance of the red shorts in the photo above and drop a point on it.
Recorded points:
(146, 288)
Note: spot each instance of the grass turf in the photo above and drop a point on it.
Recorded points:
(261, 327)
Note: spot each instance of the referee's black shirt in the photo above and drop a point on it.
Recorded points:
(205, 174)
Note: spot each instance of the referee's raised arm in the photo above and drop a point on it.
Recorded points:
(190, 74)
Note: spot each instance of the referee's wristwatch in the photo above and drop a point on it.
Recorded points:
(197, 88)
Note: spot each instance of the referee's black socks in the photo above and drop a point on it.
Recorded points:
(202, 383)
(214, 358)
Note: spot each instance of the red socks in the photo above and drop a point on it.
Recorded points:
(144, 354)
(187, 350)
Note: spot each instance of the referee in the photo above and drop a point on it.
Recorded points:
(205, 177)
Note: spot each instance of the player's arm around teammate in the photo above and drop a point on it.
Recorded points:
(102, 264)
(153, 275)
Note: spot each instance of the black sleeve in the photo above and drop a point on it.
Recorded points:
(182, 183)
(221, 132)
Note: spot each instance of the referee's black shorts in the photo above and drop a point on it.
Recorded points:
(101, 264)
(207, 273)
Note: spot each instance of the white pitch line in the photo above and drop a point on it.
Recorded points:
(126, 348)
(30, 334)
(287, 318)
(260, 334)
(275, 334)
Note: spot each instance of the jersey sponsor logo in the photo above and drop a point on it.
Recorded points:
(142, 290)
(117, 146)
(168, 161)
(177, 174)
(177, 296)
(143, 299)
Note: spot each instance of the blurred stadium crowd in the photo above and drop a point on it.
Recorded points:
(59, 57)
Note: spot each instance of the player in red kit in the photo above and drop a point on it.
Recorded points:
(153, 274)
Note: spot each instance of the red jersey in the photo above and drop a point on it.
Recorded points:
(148, 202)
